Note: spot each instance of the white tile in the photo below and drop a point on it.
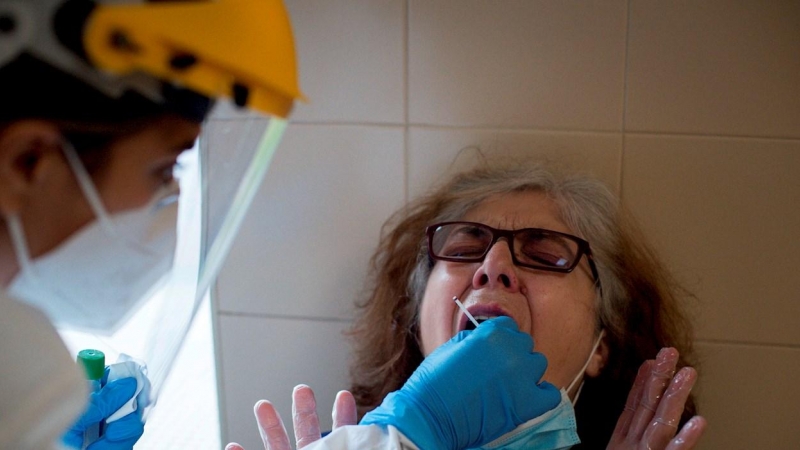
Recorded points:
(436, 154)
(351, 59)
(750, 396)
(714, 67)
(266, 359)
(531, 64)
(304, 246)
(724, 215)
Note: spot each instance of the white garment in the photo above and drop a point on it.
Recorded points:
(42, 390)
(363, 437)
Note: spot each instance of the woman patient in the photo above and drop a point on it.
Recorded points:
(578, 269)
(554, 253)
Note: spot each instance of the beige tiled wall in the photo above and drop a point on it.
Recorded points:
(690, 110)
(717, 67)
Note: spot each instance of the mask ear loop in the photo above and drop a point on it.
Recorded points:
(20, 245)
(16, 231)
(87, 186)
(19, 242)
(583, 369)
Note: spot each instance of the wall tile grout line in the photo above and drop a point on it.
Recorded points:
(626, 65)
(624, 97)
(406, 99)
(282, 317)
(347, 124)
(748, 344)
(406, 38)
(713, 136)
(488, 128)
(481, 127)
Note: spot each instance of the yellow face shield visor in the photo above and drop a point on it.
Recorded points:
(238, 49)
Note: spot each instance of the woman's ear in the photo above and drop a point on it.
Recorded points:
(598, 359)
(28, 150)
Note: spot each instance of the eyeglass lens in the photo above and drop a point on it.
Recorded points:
(532, 247)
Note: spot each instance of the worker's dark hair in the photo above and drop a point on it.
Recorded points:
(33, 89)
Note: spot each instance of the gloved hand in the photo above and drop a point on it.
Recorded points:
(477, 386)
(118, 435)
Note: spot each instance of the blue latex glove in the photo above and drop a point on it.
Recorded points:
(477, 386)
(118, 435)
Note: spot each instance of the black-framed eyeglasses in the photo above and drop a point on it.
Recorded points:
(536, 248)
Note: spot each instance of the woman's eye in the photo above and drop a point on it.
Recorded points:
(461, 242)
(546, 258)
(462, 250)
(467, 252)
(545, 253)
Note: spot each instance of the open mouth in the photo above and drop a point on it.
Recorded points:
(480, 319)
(481, 312)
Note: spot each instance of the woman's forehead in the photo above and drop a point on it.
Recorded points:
(516, 210)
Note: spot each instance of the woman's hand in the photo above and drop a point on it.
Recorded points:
(304, 419)
(653, 410)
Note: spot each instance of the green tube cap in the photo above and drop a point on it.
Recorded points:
(93, 362)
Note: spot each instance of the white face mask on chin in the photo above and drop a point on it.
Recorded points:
(95, 279)
(556, 429)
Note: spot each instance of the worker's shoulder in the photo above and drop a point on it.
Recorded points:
(41, 388)
(21, 322)
(30, 346)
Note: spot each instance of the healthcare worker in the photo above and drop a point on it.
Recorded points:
(97, 102)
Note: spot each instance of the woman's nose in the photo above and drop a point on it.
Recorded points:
(497, 269)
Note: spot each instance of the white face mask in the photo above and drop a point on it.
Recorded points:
(95, 279)
(555, 429)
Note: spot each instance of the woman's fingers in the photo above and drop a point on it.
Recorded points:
(344, 410)
(270, 426)
(654, 407)
(689, 435)
(625, 419)
(304, 419)
(304, 416)
(652, 392)
(665, 423)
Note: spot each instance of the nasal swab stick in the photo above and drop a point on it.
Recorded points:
(464, 308)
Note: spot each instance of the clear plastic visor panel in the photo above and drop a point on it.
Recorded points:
(218, 179)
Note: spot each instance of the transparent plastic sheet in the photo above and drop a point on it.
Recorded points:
(218, 179)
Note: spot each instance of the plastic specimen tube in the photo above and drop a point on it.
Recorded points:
(94, 365)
